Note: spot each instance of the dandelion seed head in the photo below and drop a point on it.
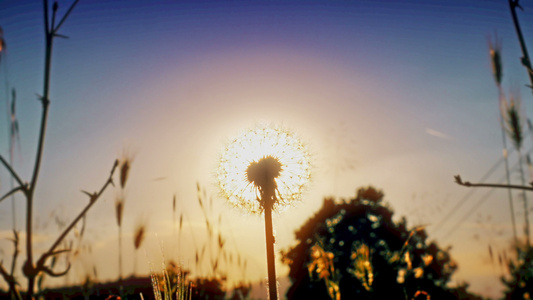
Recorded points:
(265, 156)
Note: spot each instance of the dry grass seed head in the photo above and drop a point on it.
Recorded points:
(125, 166)
(514, 122)
(174, 203)
(119, 209)
(495, 59)
(139, 234)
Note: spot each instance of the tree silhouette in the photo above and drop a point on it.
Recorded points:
(354, 249)
(519, 282)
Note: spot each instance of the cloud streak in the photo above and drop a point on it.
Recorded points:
(438, 134)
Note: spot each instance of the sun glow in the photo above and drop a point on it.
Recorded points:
(264, 151)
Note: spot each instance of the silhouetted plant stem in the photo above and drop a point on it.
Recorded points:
(92, 199)
(12, 283)
(9, 277)
(29, 268)
(513, 4)
(268, 199)
(271, 262)
(120, 258)
(13, 173)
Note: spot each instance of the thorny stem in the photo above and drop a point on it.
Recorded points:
(30, 271)
(45, 102)
(513, 4)
(93, 199)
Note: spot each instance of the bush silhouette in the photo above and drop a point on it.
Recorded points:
(519, 282)
(353, 249)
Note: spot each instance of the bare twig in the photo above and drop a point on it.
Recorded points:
(93, 198)
(15, 251)
(12, 192)
(11, 282)
(11, 171)
(459, 181)
(65, 17)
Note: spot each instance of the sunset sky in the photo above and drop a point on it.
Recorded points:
(394, 94)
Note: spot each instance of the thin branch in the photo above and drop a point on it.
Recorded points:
(53, 274)
(46, 26)
(93, 199)
(13, 191)
(459, 181)
(15, 251)
(54, 13)
(11, 171)
(525, 56)
(65, 16)
(11, 281)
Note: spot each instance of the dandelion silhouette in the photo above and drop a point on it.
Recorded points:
(264, 170)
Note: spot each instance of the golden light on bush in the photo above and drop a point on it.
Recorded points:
(261, 159)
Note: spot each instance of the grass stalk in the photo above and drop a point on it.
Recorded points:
(271, 261)
(526, 210)
(506, 164)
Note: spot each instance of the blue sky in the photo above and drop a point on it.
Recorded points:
(396, 94)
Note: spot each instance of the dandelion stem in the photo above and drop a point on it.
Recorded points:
(271, 262)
